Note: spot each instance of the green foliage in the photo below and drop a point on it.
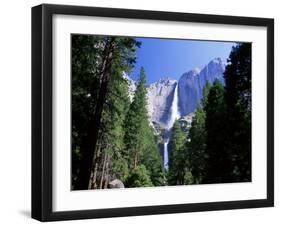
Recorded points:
(115, 109)
(140, 142)
(238, 101)
(206, 91)
(136, 122)
(88, 55)
(85, 61)
(178, 164)
(112, 130)
(139, 177)
(120, 169)
(196, 146)
(151, 158)
(218, 159)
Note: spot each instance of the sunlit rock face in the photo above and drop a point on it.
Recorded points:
(132, 85)
(160, 97)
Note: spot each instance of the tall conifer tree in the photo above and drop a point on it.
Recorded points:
(238, 102)
(177, 156)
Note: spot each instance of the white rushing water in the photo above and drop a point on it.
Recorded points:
(174, 115)
(174, 111)
(166, 155)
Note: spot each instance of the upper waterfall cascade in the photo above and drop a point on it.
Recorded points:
(174, 112)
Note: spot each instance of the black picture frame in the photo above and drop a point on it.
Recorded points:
(42, 111)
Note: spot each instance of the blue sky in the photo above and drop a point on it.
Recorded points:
(169, 57)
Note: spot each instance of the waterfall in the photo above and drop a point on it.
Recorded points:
(166, 155)
(174, 115)
(174, 112)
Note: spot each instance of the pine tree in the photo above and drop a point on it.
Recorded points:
(115, 56)
(111, 139)
(206, 91)
(238, 109)
(112, 162)
(196, 140)
(140, 142)
(136, 121)
(196, 146)
(86, 60)
(139, 177)
(152, 159)
(218, 163)
(177, 173)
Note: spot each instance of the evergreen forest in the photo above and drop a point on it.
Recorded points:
(114, 144)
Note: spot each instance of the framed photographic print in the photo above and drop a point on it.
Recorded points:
(147, 112)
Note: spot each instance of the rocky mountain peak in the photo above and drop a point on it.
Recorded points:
(217, 60)
(165, 81)
(160, 94)
(191, 84)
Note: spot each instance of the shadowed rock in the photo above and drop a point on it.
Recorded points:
(192, 83)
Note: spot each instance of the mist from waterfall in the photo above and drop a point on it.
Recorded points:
(174, 115)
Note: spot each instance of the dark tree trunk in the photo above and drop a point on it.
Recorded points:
(90, 143)
(107, 172)
(103, 171)
(93, 180)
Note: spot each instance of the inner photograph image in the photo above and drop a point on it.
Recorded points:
(150, 112)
